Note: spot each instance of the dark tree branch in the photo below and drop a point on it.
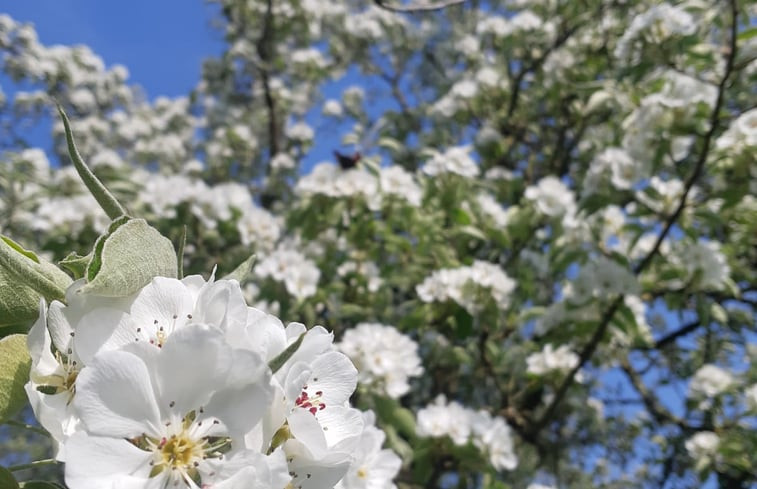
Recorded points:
(417, 8)
(655, 408)
(674, 335)
(265, 51)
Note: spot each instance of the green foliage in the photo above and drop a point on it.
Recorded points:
(14, 373)
(127, 257)
(7, 481)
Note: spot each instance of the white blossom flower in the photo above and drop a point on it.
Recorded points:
(395, 180)
(751, 396)
(657, 24)
(170, 416)
(160, 309)
(548, 360)
(710, 381)
(703, 263)
(494, 210)
(384, 357)
(373, 467)
(445, 419)
(299, 274)
(454, 160)
(459, 285)
(703, 448)
(551, 197)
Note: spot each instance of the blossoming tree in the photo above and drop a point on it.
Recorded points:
(533, 266)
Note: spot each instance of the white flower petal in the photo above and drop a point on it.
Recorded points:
(98, 463)
(192, 364)
(114, 396)
(241, 406)
(102, 330)
(164, 302)
(334, 374)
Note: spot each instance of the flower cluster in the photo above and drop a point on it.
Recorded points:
(171, 387)
(384, 357)
(461, 284)
(462, 425)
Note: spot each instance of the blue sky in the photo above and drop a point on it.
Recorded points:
(162, 43)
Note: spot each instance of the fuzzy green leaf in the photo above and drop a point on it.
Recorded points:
(127, 257)
(14, 373)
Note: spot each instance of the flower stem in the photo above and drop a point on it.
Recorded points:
(29, 427)
(31, 465)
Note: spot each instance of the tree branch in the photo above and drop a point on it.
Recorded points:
(264, 49)
(674, 335)
(430, 7)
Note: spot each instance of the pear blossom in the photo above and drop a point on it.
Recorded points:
(171, 416)
(57, 362)
(551, 197)
(384, 357)
(455, 284)
(703, 448)
(373, 467)
(550, 359)
(454, 160)
(160, 309)
(710, 381)
(299, 274)
(445, 419)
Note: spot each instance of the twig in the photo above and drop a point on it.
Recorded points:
(31, 465)
(418, 8)
(658, 411)
(674, 335)
(264, 51)
(19, 424)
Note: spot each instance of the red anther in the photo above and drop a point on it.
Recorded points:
(313, 410)
(323, 406)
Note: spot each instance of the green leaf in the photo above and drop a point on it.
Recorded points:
(101, 194)
(285, 355)
(392, 413)
(21, 268)
(127, 257)
(7, 481)
(242, 272)
(14, 373)
(76, 264)
(747, 34)
(473, 231)
(19, 305)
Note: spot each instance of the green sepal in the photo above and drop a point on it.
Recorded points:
(285, 355)
(76, 264)
(242, 271)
